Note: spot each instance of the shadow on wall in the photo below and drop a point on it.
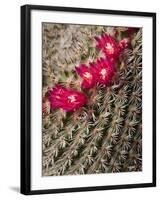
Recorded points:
(14, 188)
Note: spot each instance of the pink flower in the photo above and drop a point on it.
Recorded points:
(103, 70)
(87, 75)
(109, 46)
(66, 98)
(124, 43)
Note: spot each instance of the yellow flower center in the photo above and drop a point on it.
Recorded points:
(57, 97)
(110, 48)
(87, 75)
(103, 72)
(72, 98)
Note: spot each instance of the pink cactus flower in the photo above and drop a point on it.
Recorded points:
(66, 98)
(124, 43)
(87, 75)
(103, 70)
(109, 46)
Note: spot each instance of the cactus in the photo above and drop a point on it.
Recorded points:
(105, 134)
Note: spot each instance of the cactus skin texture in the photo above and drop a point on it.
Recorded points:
(104, 136)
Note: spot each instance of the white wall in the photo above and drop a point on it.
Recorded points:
(10, 95)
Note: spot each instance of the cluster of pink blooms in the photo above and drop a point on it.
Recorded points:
(96, 73)
(111, 48)
(100, 72)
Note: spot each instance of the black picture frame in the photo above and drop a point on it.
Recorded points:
(26, 96)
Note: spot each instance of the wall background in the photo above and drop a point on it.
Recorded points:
(10, 99)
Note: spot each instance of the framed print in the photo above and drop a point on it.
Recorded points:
(88, 99)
